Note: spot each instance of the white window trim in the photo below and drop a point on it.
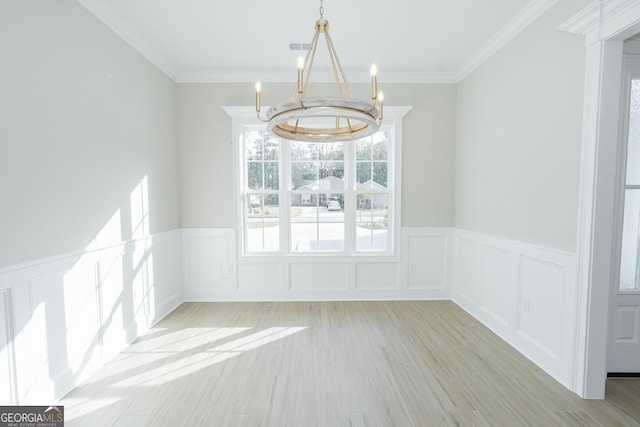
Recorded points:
(245, 117)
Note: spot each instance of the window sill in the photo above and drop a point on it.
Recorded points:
(319, 258)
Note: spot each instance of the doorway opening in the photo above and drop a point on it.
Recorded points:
(623, 346)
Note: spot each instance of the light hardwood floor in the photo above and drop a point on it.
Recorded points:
(305, 364)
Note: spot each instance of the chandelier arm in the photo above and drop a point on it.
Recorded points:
(349, 126)
(333, 57)
(344, 76)
(311, 56)
(265, 120)
(308, 63)
(312, 47)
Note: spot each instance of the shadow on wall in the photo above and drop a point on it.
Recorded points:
(65, 318)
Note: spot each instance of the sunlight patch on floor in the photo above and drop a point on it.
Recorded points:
(192, 362)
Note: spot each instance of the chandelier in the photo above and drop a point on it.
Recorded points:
(343, 118)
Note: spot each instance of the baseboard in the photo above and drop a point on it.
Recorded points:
(207, 295)
(167, 307)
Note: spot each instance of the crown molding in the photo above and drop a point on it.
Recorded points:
(317, 77)
(514, 27)
(518, 23)
(107, 17)
(593, 21)
(584, 21)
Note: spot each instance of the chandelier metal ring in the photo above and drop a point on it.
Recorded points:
(360, 119)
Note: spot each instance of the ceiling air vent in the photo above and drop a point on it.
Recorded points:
(299, 46)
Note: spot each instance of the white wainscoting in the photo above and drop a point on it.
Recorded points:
(213, 271)
(526, 294)
(64, 317)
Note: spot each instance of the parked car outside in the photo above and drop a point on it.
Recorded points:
(333, 206)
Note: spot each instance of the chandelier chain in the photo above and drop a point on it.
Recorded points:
(321, 10)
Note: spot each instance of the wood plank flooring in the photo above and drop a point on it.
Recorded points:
(425, 363)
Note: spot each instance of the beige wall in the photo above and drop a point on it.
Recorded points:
(206, 157)
(83, 119)
(519, 123)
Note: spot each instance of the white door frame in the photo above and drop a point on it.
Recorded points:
(605, 24)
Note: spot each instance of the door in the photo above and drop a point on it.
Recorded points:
(624, 313)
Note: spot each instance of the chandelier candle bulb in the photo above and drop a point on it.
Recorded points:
(300, 70)
(258, 90)
(380, 104)
(374, 81)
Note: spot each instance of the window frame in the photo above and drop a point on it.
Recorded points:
(244, 119)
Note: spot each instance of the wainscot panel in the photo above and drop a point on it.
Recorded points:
(208, 263)
(497, 293)
(377, 276)
(465, 267)
(318, 277)
(526, 294)
(428, 258)
(542, 302)
(260, 277)
(7, 355)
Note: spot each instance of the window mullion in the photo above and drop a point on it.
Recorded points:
(285, 196)
(392, 198)
(349, 198)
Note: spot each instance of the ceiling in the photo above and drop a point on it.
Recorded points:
(246, 40)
